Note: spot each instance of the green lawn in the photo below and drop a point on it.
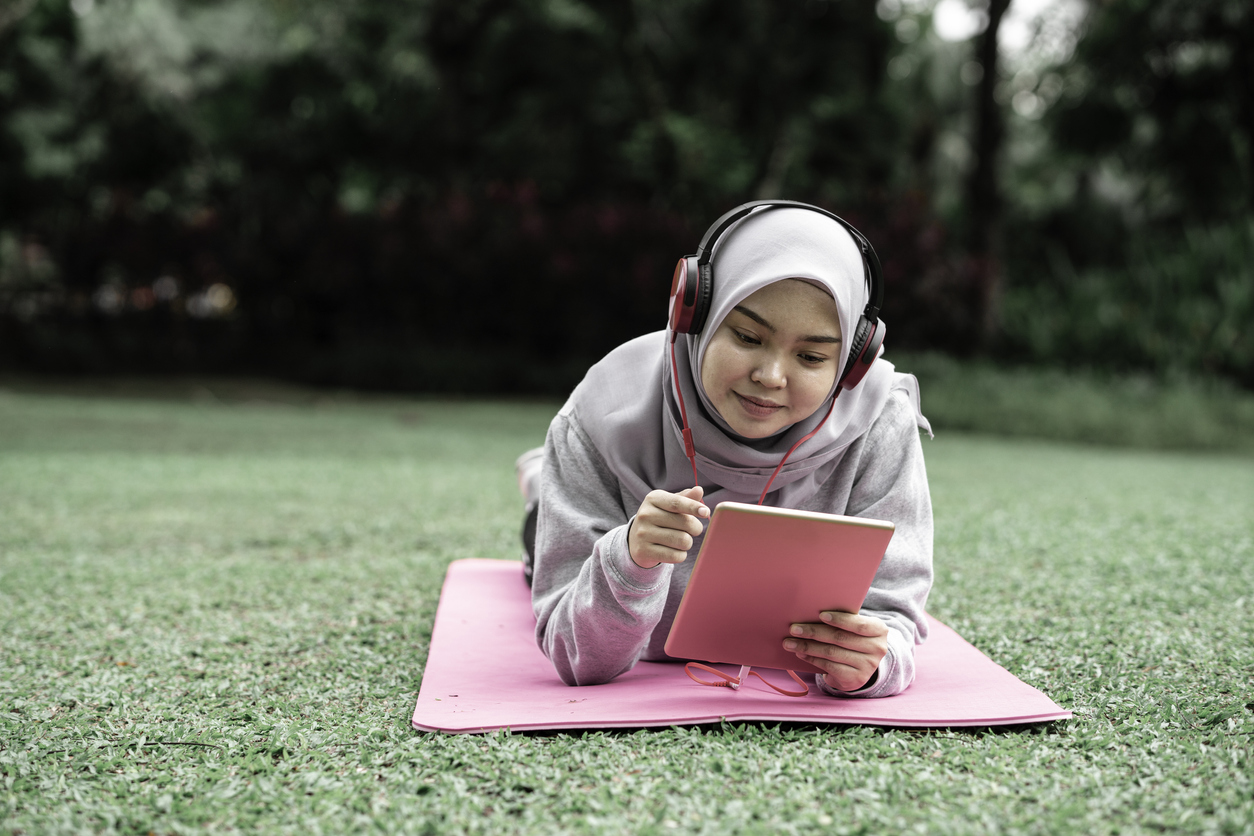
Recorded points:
(215, 604)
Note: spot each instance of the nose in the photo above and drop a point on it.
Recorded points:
(769, 373)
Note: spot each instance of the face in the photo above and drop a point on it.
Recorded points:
(773, 360)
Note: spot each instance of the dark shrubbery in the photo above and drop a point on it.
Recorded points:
(486, 196)
(1178, 305)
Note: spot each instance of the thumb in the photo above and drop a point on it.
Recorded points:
(696, 493)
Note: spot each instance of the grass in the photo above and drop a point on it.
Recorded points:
(215, 603)
(1182, 413)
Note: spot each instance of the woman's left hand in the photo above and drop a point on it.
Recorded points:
(847, 646)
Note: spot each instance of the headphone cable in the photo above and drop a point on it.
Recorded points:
(690, 448)
(803, 440)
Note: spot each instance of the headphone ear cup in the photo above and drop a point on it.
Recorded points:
(704, 297)
(681, 314)
(867, 342)
(691, 289)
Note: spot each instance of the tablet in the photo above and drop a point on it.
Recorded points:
(762, 569)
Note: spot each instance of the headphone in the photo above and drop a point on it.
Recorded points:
(692, 289)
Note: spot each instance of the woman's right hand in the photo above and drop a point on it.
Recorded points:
(664, 526)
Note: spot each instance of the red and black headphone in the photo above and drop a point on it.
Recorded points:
(692, 289)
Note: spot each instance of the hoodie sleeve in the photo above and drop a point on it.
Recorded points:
(595, 607)
(890, 483)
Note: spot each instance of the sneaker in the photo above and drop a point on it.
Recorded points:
(527, 469)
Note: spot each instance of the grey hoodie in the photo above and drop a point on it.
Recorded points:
(598, 612)
(620, 436)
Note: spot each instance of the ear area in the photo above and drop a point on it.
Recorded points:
(691, 290)
(683, 295)
(868, 350)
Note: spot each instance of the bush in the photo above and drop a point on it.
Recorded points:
(1181, 304)
(1088, 406)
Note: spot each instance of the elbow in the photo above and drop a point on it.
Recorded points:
(579, 680)
(568, 667)
(575, 674)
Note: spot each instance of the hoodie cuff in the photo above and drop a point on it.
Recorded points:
(627, 572)
(884, 681)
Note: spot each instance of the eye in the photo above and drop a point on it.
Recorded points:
(812, 359)
(747, 339)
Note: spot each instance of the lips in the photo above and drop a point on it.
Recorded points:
(758, 407)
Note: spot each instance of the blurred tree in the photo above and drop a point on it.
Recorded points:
(367, 179)
(364, 192)
(1138, 254)
(983, 188)
(1159, 101)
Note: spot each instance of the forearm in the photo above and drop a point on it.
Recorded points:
(595, 608)
(894, 675)
(891, 484)
(597, 625)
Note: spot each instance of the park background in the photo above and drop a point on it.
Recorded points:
(486, 196)
(286, 286)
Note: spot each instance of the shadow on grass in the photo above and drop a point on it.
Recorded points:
(786, 730)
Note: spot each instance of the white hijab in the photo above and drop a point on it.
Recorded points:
(636, 424)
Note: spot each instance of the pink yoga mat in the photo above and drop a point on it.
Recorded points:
(484, 672)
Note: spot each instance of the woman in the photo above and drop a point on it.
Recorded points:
(616, 510)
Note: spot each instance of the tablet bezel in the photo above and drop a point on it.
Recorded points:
(734, 611)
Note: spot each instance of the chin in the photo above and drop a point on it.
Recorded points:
(751, 426)
(757, 433)
(756, 430)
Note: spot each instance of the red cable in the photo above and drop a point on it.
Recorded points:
(810, 435)
(731, 680)
(690, 449)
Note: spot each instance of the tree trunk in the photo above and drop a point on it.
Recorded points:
(983, 194)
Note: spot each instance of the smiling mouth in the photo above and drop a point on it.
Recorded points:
(758, 407)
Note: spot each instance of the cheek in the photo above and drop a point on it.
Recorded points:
(718, 368)
(817, 386)
(709, 376)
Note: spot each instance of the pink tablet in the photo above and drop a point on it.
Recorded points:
(762, 569)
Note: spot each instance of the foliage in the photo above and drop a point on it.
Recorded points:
(1083, 404)
(214, 615)
(1160, 93)
(356, 193)
(1135, 248)
(1175, 307)
(502, 164)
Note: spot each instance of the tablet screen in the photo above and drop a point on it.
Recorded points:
(762, 569)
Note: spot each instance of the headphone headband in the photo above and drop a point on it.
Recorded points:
(872, 272)
(692, 290)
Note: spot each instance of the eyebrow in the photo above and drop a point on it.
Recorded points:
(813, 338)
